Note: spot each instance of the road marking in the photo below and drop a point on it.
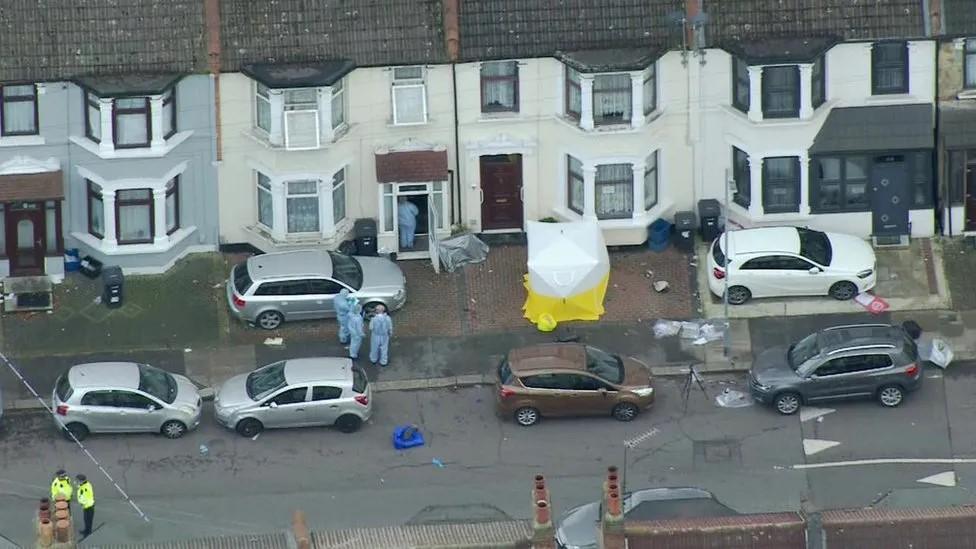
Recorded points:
(635, 441)
(941, 479)
(883, 461)
(815, 446)
(806, 414)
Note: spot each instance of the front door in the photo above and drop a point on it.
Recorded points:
(501, 188)
(25, 239)
(969, 170)
(889, 196)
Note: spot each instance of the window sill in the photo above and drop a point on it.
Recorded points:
(891, 98)
(772, 122)
(966, 94)
(162, 245)
(608, 129)
(392, 124)
(641, 220)
(261, 237)
(261, 137)
(21, 141)
(499, 116)
(145, 152)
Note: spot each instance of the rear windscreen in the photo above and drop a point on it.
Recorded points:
(63, 389)
(242, 280)
(717, 254)
(359, 380)
(504, 372)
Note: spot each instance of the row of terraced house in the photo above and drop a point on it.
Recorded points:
(141, 130)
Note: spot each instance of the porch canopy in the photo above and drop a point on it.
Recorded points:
(29, 187)
(883, 128)
(957, 125)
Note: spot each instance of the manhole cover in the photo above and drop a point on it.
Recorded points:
(718, 451)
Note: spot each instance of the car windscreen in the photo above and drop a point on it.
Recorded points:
(603, 364)
(346, 269)
(803, 351)
(264, 381)
(815, 245)
(242, 280)
(157, 383)
(63, 388)
(359, 380)
(717, 253)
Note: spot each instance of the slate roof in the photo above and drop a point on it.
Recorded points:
(734, 20)
(369, 32)
(505, 29)
(42, 40)
(959, 17)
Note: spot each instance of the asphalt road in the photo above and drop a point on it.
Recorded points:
(747, 456)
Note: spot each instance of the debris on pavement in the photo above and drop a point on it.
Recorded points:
(730, 398)
(461, 250)
(934, 350)
(661, 286)
(438, 463)
(666, 328)
(204, 450)
(699, 331)
(407, 436)
(872, 303)
(274, 341)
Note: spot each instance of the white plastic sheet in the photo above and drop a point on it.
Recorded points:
(934, 350)
(461, 250)
(730, 398)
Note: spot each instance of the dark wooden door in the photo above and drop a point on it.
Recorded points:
(25, 239)
(501, 187)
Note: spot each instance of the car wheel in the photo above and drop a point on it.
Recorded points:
(890, 396)
(249, 427)
(173, 429)
(77, 429)
(787, 403)
(842, 291)
(526, 416)
(739, 295)
(348, 423)
(269, 320)
(625, 411)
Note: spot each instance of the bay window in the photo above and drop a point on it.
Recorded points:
(742, 176)
(338, 101)
(299, 118)
(131, 126)
(781, 184)
(173, 205)
(740, 85)
(339, 196)
(131, 122)
(575, 189)
(262, 107)
(134, 216)
(302, 204)
(301, 107)
(612, 99)
(614, 190)
(96, 210)
(265, 207)
(650, 90)
(93, 117)
(781, 92)
(574, 95)
(650, 181)
(18, 110)
(129, 216)
(169, 114)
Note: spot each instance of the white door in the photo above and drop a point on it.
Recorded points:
(432, 216)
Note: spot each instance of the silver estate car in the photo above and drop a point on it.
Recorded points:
(269, 289)
(296, 393)
(124, 397)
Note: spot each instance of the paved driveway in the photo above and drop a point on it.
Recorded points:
(751, 458)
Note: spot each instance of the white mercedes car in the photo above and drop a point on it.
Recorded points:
(789, 261)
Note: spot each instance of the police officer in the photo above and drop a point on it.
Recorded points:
(61, 486)
(86, 498)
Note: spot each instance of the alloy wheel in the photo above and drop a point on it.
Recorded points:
(788, 403)
(891, 396)
(624, 411)
(270, 320)
(173, 429)
(526, 416)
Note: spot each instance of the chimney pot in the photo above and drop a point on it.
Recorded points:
(300, 531)
(62, 531)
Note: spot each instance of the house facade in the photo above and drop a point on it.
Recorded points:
(102, 148)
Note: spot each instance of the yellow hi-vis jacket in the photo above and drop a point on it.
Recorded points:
(86, 496)
(61, 487)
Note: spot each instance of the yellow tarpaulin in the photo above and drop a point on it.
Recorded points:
(586, 305)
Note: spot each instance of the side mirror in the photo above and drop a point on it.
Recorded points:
(814, 270)
(151, 408)
(603, 391)
(273, 404)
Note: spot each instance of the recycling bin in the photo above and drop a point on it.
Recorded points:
(365, 231)
(684, 231)
(112, 281)
(659, 235)
(709, 215)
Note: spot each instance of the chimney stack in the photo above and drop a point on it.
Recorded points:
(692, 10)
(543, 532)
(612, 522)
(452, 29)
(211, 11)
(300, 531)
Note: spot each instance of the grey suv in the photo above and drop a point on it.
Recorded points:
(864, 360)
(269, 289)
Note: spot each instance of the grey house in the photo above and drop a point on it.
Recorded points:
(93, 156)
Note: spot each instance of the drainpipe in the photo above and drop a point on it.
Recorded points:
(943, 193)
(452, 43)
(212, 14)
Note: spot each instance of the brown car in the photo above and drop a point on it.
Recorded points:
(571, 379)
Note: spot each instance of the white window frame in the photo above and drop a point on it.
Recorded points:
(337, 94)
(586, 120)
(99, 137)
(339, 187)
(317, 195)
(403, 80)
(262, 94)
(294, 111)
(651, 166)
(269, 191)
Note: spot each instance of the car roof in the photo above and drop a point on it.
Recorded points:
(290, 264)
(547, 356)
(324, 369)
(121, 375)
(675, 503)
(860, 335)
(764, 239)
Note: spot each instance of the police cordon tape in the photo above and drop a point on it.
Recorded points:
(44, 404)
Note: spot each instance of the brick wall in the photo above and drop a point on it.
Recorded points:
(934, 528)
(764, 531)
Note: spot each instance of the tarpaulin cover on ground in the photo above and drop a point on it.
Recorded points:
(568, 271)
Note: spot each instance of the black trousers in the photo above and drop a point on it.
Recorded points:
(89, 515)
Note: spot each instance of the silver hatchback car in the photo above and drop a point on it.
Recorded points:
(124, 397)
(269, 289)
(296, 393)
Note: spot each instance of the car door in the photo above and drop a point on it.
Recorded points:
(98, 412)
(299, 299)
(835, 378)
(138, 412)
(590, 395)
(269, 295)
(323, 292)
(756, 274)
(325, 405)
(286, 408)
(802, 277)
(544, 392)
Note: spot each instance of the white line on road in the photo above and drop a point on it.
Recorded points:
(882, 461)
(635, 441)
(814, 446)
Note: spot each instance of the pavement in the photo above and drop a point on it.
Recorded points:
(214, 482)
